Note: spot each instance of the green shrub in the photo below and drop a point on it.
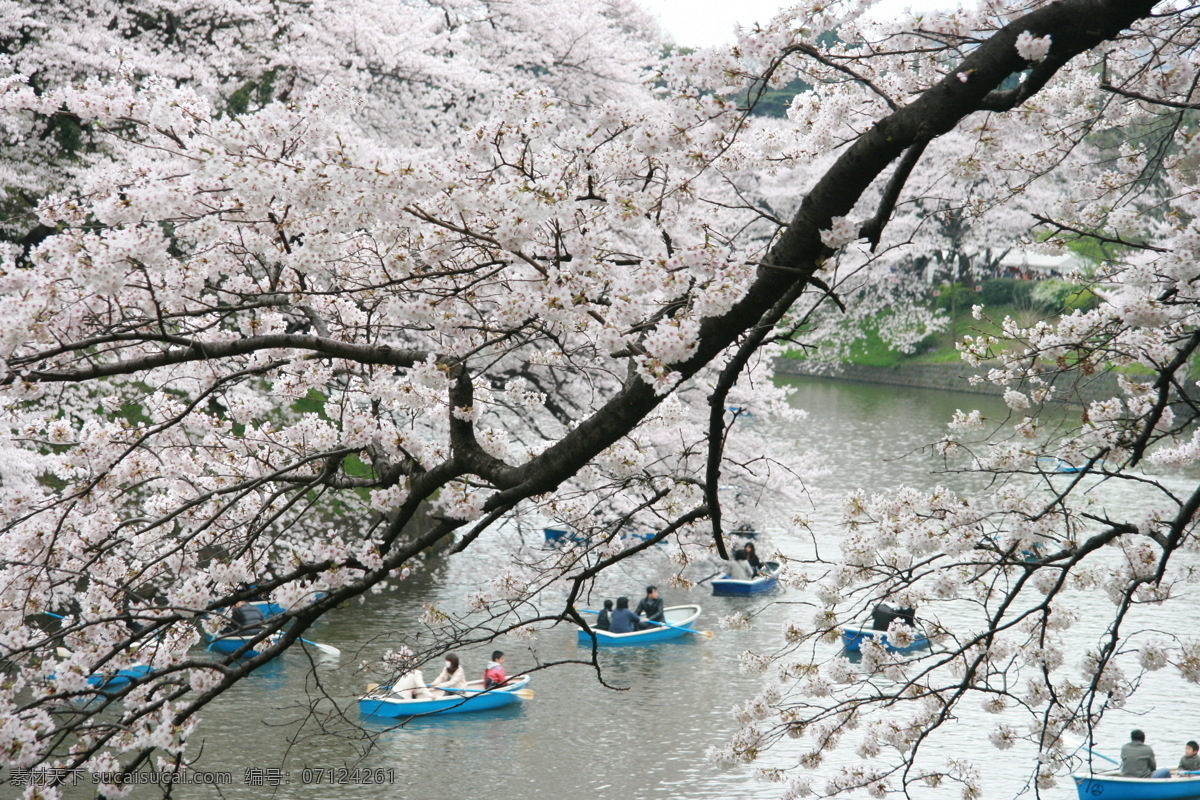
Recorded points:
(1056, 296)
(962, 296)
(1007, 292)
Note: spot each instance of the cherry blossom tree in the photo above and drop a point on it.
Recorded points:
(418, 70)
(243, 330)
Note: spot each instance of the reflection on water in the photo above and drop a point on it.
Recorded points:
(647, 738)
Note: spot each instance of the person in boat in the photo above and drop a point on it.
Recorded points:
(604, 621)
(883, 615)
(246, 619)
(452, 675)
(651, 606)
(739, 568)
(752, 557)
(1137, 758)
(624, 620)
(411, 686)
(494, 675)
(1190, 762)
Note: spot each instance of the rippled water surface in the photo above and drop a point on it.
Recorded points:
(578, 739)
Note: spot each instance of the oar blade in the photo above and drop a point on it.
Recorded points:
(328, 649)
(524, 694)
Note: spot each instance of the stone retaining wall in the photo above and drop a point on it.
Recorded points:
(942, 377)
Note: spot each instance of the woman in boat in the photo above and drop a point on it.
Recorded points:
(604, 621)
(752, 557)
(1137, 757)
(452, 676)
(411, 686)
(739, 568)
(624, 620)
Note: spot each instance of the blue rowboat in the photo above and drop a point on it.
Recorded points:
(1112, 786)
(764, 582)
(1055, 465)
(454, 702)
(270, 609)
(852, 639)
(115, 680)
(679, 616)
(557, 536)
(561, 536)
(226, 645)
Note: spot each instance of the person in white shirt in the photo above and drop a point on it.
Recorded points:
(411, 685)
(739, 568)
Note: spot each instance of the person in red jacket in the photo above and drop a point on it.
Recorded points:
(494, 675)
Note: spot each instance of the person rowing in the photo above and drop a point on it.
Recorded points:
(246, 619)
(651, 606)
(452, 676)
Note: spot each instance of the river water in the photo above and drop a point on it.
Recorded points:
(577, 739)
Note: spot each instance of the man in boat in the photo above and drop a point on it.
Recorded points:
(1137, 759)
(624, 620)
(247, 619)
(883, 614)
(494, 675)
(651, 606)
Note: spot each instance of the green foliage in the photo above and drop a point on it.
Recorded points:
(1007, 292)
(1056, 297)
(1095, 250)
(776, 102)
(1051, 296)
(956, 296)
(68, 133)
(259, 92)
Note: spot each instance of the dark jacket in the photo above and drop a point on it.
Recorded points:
(651, 609)
(624, 621)
(603, 621)
(247, 620)
(1190, 763)
(1137, 760)
(883, 614)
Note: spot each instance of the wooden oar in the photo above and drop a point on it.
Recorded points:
(705, 634)
(710, 577)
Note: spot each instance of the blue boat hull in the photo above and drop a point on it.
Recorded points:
(458, 703)
(270, 609)
(557, 536)
(765, 582)
(227, 645)
(852, 639)
(1113, 787)
(676, 615)
(119, 678)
